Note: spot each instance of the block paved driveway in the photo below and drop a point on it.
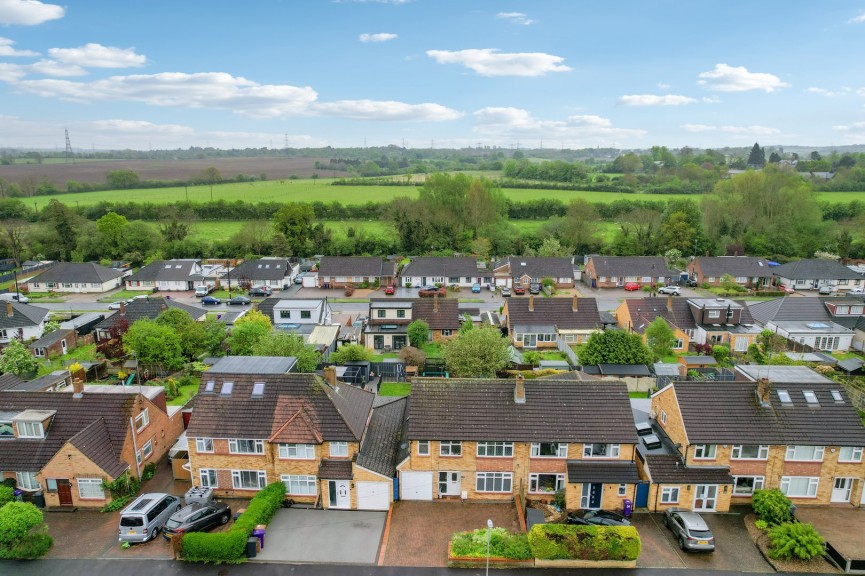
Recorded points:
(421, 531)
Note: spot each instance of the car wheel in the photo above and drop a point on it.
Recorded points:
(153, 534)
(223, 519)
(681, 543)
(666, 522)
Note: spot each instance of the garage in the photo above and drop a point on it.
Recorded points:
(416, 485)
(373, 495)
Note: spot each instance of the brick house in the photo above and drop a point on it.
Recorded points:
(66, 443)
(616, 271)
(55, 343)
(745, 270)
(539, 322)
(489, 440)
(460, 271)
(805, 439)
(523, 270)
(77, 277)
(325, 440)
(441, 314)
(337, 271)
(636, 314)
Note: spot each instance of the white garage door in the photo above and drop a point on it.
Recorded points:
(373, 495)
(416, 485)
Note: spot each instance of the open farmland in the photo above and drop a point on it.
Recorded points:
(212, 230)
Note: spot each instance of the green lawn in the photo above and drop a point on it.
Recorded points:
(432, 350)
(124, 295)
(83, 353)
(186, 394)
(394, 389)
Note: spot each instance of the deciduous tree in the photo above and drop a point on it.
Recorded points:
(17, 359)
(478, 353)
(418, 333)
(660, 338)
(614, 347)
(154, 343)
(284, 344)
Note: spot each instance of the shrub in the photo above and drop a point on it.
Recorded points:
(567, 542)
(559, 499)
(123, 485)
(412, 356)
(6, 494)
(117, 504)
(502, 544)
(22, 532)
(795, 540)
(771, 506)
(761, 525)
(149, 471)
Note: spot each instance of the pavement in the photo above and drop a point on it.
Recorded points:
(301, 535)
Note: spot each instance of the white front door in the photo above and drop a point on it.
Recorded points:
(338, 492)
(449, 484)
(841, 489)
(63, 345)
(705, 497)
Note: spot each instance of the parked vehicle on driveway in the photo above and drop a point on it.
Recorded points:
(671, 290)
(857, 290)
(389, 290)
(197, 517)
(690, 530)
(210, 301)
(239, 301)
(534, 288)
(430, 291)
(632, 286)
(260, 291)
(506, 292)
(203, 290)
(597, 517)
(826, 289)
(145, 516)
(476, 288)
(519, 289)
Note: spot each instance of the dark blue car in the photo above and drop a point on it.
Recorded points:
(210, 301)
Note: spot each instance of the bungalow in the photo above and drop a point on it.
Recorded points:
(523, 270)
(616, 271)
(459, 271)
(276, 273)
(167, 275)
(149, 308)
(849, 312)
(76, 277)
(337, 271)
(55, 343)
(814, 273)
(22, 321)
(804, 321)
(744, 270)
(541, 322)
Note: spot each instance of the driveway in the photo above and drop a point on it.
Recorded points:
(842, 526)
(419, 532)
(734, 549)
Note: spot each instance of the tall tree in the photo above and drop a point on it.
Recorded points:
(581, 226)
(154, 343)
(757, 157)
(123, 178)
(64, 224)
(13, 234)
(614, 347)
(251, 328)
(111, 229)
(660, 338)
(190, 332)
(284, 344)
(478, 353)
(294, 222)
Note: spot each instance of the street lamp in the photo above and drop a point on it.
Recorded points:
(489, 533)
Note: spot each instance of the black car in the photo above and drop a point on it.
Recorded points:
(197, 517)
(597, 517)
(260, 291)
(534, 288)
(239, 301)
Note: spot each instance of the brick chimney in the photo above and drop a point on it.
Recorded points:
(520, 390)
(531, 302)
(435, 302)
(123, 308)
(670, 303)
(763, 391)
(9, 310)
(164, 307)
(574, 303)
(330, 375)
(77, 388)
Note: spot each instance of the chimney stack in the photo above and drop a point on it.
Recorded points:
(520, 390)
(330, 375)
(436, 302)
(574, 303)
(763, 392)
(77, 387)
(670, 303)
(164, 307)
(9, 310)
(123, 308)
(531, 302)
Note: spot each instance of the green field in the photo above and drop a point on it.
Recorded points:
(211, 230)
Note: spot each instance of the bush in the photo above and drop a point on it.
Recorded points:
(761, 525)
(793, 540)
(559, 499)
(772, 506)
(6, 494)
(149, 471)
(229, 547)
(123, 485)
(22, 532)
(117, 504)
(567, 542)
(502, 544)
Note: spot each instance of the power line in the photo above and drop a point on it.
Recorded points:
(69, 157)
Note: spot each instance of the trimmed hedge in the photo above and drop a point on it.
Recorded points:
(567, 542)
(503, 544)
(230, 547)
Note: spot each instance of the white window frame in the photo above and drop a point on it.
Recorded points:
(614, 450)
(234, 446)
(30, 429)
(705, 451)
(142, 420)
(762, 452)
(27, 481)
(855, 454)
(300, 484)
(534, 482)
(452, 448)
(561, 450)
(663, 416)
(204, 445)
(86, 490)
(423, 447)
(296, 451)
(759, 483)
(793, 453)
(670, 494)
(339, 449)
(810, 490)
(623, 490)
(147, 450)
(495, 449)
(236, 476)
(505, 478)
(208, 477)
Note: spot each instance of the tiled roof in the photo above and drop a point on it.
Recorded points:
(149, 308)
(365, 266)
(165, 271)
(73, 415)
(329, 413)
(447, 317)
(735, 266)
(580, 471)
(790, 308)
(632, 266)
(815, 269)
(10, 380)
(381, 444)
(730, 414)
(558, 312)
(77, 272)
(335, 470)
(23, 315)
(263, 269)
(51, 338)
(461, 267)
(669, 469)
(644, 311)
(538, 267)
(554, 411)
(94, 441)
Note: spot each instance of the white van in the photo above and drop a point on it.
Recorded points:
(145, 516)
(14, 297)
(203, 290)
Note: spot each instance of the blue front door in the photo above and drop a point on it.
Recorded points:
(642, 499)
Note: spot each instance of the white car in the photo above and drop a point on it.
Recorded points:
(857, 290)
(672, 290)
(15, 297)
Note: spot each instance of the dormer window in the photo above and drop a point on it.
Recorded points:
(30, 430)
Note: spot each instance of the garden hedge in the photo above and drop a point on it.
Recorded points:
(229, 547)
(503, 544)
(568, 542)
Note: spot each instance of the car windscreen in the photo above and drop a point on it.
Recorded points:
(131, 521)
(702, 534)
(171, 523)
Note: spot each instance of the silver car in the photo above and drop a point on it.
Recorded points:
(690, 530)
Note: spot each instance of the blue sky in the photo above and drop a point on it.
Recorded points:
(563, 73)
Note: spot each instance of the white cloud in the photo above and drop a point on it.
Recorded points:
(663, 86)
(711, 99)
(6, 49)
(98, 56)
(726, 78)
(28, 12)
(737, 130)
(857, 19)
(655, 100)
(515, 17)
(491, 62)
(379, 37)
(821, 91)
(853, 133)
(505, 124)
(11, 72)
(54, 68)
(386, 111)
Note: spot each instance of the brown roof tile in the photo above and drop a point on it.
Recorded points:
(447, 317)
(555, 311)
(644, 311)
(669, 469)
(607, 472)
(335, 470)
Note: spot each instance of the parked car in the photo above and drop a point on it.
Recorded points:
(632, 286)
(857, 290)
(197, 517)
(506, 292)
(672, 290)
(210, 301)
(116, 305)
(597, 517)
(826, 289)
(692, 282)
(476, 288)
(144, 517)
(519, 289)
(534, 288)
(260, 291)
(239, 301)
(690, 530)
(389, 290)
(15, 297)
(299, 278)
